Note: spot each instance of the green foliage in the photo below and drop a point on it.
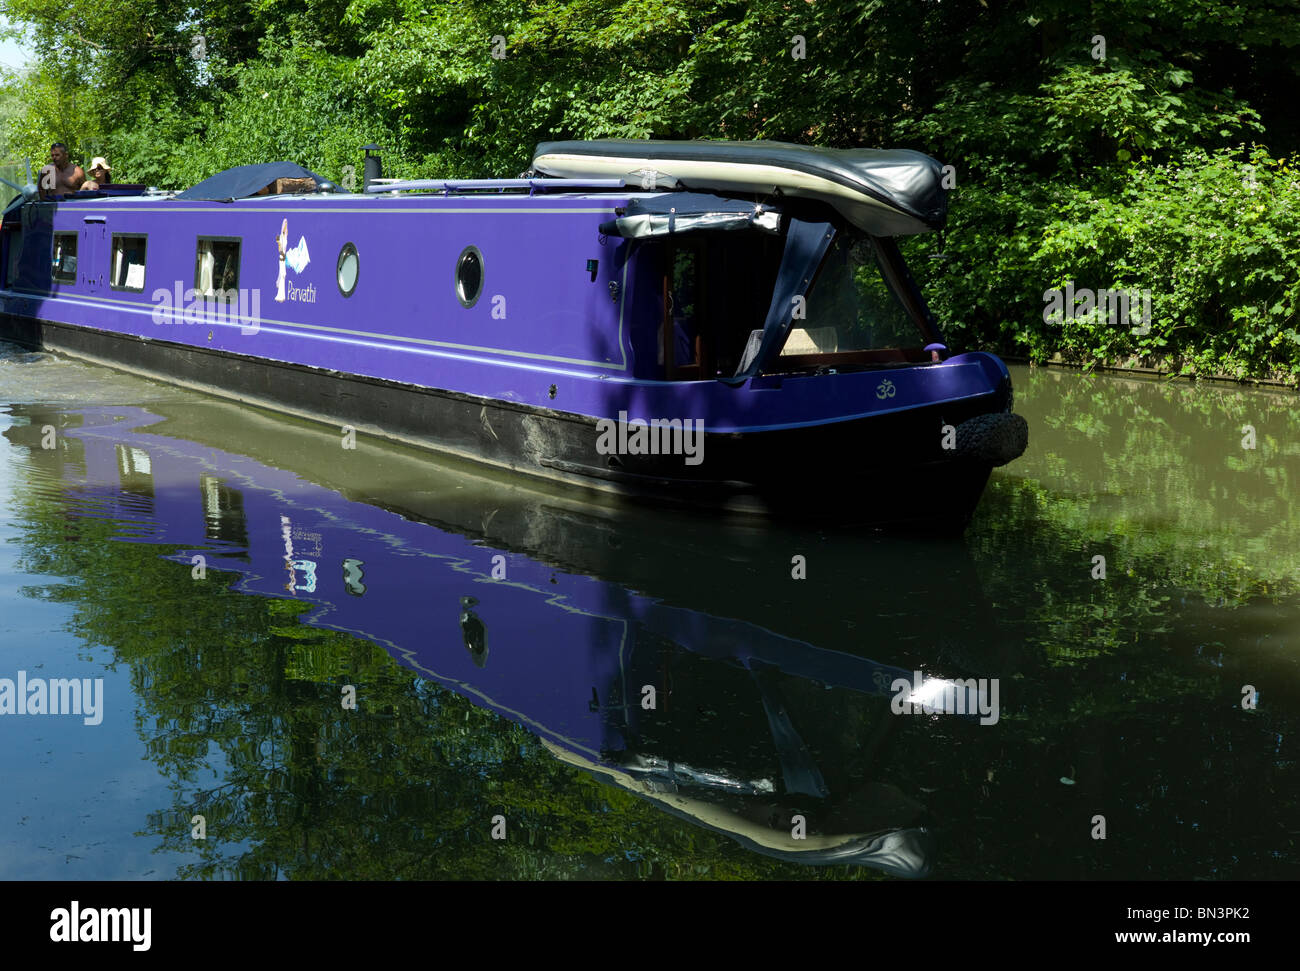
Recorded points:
(295, 104)
(1213, 239)
(1122, 170)
(42, 106)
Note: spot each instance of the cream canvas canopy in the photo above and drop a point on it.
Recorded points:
(885, 193)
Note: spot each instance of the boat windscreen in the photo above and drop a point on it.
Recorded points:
(851, 307)
(806, 245)
(861, 310)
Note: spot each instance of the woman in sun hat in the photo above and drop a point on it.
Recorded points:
(98, 174)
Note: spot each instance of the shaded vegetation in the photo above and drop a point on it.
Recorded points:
(1117, 145)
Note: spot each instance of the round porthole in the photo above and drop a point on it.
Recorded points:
(348, 268)
(469, 276)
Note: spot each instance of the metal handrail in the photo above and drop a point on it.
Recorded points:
(483, 185)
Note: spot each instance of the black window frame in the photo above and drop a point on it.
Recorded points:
(239, 259)
(112, 244)
(55, 278)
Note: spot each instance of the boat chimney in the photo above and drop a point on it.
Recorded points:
(374, 169)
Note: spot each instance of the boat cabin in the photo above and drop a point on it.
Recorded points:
(751, 292)
(791, 266)
(711, 275)
(714, 293)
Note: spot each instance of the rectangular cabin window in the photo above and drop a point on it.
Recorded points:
(216, 265)
(128, 262)
(63, 265)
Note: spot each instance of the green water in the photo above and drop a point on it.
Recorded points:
(1120, 697)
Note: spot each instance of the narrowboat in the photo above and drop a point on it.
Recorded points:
(726, 325)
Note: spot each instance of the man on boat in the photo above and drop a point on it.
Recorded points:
(61, 176)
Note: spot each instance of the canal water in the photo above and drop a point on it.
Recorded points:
(233, 647)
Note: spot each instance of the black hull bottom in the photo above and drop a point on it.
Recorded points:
(886, 471)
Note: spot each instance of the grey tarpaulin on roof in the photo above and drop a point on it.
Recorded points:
(246, 180)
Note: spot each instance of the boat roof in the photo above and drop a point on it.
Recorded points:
(392, 195)
(884, 192)
(244, 181)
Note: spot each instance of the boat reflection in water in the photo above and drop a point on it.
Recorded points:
(564, 619)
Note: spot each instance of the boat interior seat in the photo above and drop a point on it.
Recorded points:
(881, 356)
(802, 341)
(816, 340)
(818, 347)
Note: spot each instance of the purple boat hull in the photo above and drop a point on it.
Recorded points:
(560, 343)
